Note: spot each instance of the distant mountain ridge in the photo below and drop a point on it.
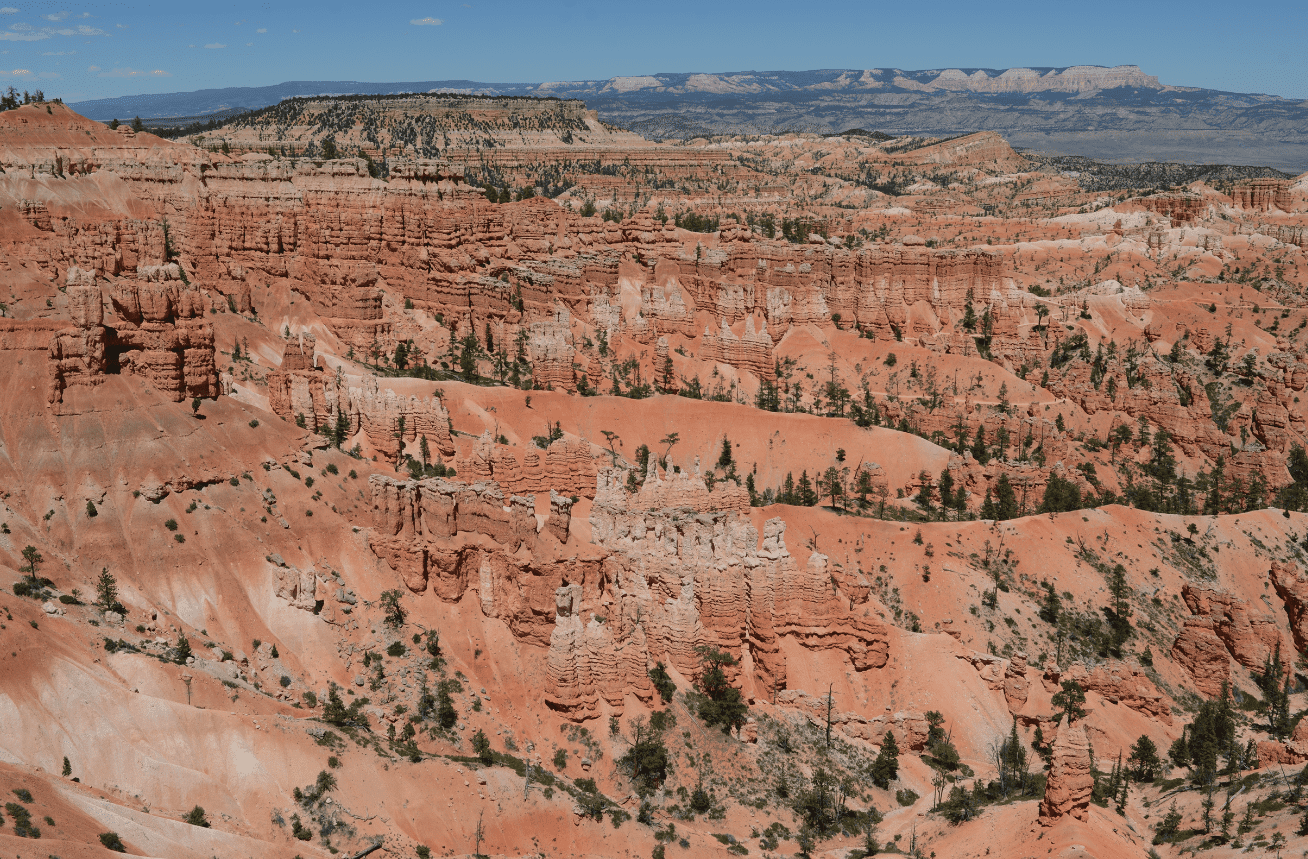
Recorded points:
(1112, 113)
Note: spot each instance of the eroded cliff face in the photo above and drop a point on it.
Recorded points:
(301, 391)
(692, 576)
(158, 335)
(657, 581)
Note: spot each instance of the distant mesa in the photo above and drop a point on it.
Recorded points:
(1115, 113)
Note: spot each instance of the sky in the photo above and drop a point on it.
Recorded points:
(100, 50)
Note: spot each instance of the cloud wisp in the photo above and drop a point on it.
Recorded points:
(132, 73)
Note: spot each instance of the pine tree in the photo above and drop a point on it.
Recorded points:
(946, 486)
(1011, 763)
(885, 768)
(724, 458)
(1005, 499)
(807, 494)
(1043, 749)
(342, 429)
(1069, 700)
(1144, 759)
(1169, 825)
(182, 650)
(106, 588)
(1119, 612)
(979, 451)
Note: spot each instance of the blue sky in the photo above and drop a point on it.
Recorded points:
(97, 50)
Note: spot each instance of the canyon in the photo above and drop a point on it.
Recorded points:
(473, 464)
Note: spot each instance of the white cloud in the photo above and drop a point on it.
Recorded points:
(213, 46)
(427, 22)
(16, 73)
(133, 73)
(121, 26)
(55, 16)
(93, 68)
(249, 44)
(8, 10)
(58, 53)
(261, 30)
(24, 32)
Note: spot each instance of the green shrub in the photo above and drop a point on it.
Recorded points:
(196, 817)
(905, 797)
(481, 745)
(112, 842)
(396, 649)
(171, 524)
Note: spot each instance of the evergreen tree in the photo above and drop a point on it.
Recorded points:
(33, 561)
(1069, 700)
(1168, 826)
(1010, 761)
(724, 458)
(663, 682)
(1144, 759)
(1051, 607)
(181, 650)
(481, 745)
(446, 715)
(106, 588)
(1275, 686)
(342, 429)
(1005, 499)
(979, 451)
(768, 397)
(988, 510)
(885, 768)
(1043, 749)
(946, 486)
(808, 496)
(1119, 612)
(1211, 734)
(725, 705)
